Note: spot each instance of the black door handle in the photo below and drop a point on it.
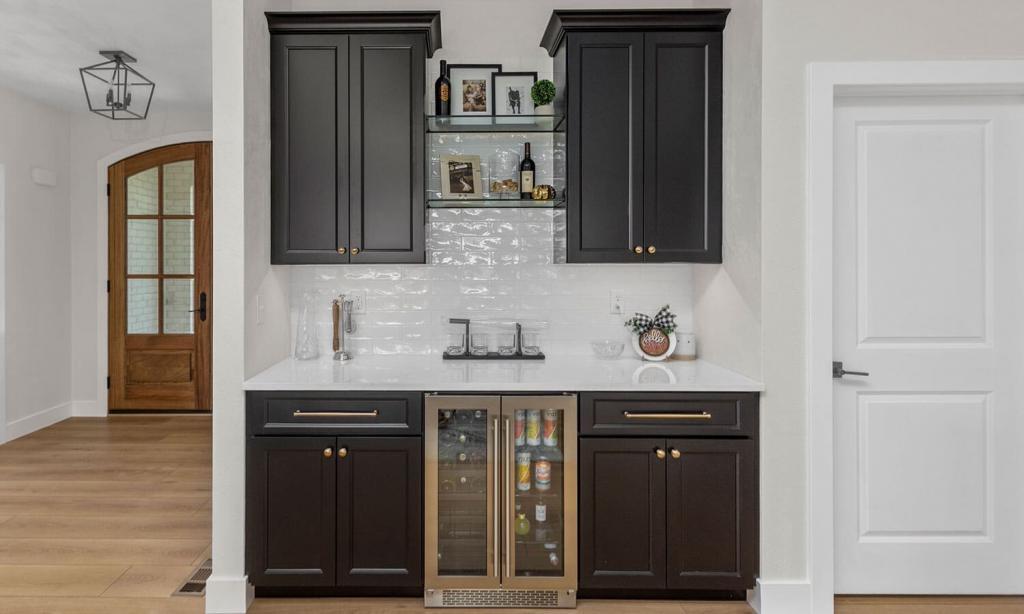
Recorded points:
(202, 307)
(838, 371)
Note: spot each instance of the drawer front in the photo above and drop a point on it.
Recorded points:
(664, 414)
(356, 413)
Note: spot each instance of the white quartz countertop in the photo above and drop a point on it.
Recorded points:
(553, 374)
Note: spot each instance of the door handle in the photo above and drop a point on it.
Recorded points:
(202, 307)
(838, 371)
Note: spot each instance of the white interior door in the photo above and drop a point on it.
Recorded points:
(929, 299)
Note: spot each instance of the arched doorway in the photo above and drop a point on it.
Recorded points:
(160, 269)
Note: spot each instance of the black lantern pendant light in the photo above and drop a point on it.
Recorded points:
(115, 90)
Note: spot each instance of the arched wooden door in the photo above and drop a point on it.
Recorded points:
(160, 260)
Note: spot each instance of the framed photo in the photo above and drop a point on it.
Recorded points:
(512, 93)
(460, 177)
(471, 88)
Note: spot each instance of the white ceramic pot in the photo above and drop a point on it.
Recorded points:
(646, 356)
(544, 109)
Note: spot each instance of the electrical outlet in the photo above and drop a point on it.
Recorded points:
(358, 299)
(617, 302)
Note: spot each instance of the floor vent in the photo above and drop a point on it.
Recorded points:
(195, 586)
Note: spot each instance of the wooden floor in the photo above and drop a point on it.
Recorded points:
(108, 516)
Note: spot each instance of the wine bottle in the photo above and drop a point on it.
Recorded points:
(526, 168)
(443, 92)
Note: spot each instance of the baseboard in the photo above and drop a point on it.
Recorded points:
(228, 594)
(87, 409)
(39, 420)
(781, 597)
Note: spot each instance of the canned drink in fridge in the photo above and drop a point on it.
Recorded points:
(520, 427)
(542, 474)
(551, 428)
(523, 471)
(533, 427)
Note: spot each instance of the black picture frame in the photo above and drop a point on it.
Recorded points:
(457, 109)
(494, 86)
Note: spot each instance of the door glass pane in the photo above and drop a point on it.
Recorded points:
(142, 247)
(462, 497)
(178, 248)
(179, 188)
(143, 302)
(142, 193)
(539, 492)
(177, 304)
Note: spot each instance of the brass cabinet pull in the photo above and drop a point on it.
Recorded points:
(328, 452)
(341, 250)
(650, 249)
(298, 413)
(638, 249)
(355, 251)
(509, 465)
(659, 453)
(342, 452)
(664, 416)
(496, 497)
(675, 453)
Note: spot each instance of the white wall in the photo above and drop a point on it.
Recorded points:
(3, 305)
(797, 32)
(38, 269)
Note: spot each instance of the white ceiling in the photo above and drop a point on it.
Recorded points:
(43, 43)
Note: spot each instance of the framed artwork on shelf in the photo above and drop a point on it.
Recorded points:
(460, 177)
(471, 88)
(512, 93)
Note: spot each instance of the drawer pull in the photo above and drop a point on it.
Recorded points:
(664, 416)
(298, 413)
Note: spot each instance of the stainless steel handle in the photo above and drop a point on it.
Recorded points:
(298, 413)
(496, 485)
(508, 493)
(838, 371)
(703, 415)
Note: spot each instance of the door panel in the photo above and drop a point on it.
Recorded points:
(387, 194)
(927, 298)
(711, 514)
(309, 148)
(160, 261)
(291, 511)
(605, 155)
(380, 503)
(622, 513)
(682, 146)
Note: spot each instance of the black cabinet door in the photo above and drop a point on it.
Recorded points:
(309, 148)
(712, 514)
(605, 146)
(380, 512)
(682, 180)
(386, 150)
(291, 511)
(622, 514)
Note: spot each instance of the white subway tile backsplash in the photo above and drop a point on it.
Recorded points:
(496, 264)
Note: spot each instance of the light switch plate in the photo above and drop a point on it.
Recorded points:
(616, 302)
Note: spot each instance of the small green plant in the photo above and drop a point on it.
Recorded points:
(542, 92)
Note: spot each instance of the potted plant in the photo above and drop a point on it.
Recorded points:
(653, 338)
(542, 93)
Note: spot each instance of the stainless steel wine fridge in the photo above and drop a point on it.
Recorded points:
(500, 501)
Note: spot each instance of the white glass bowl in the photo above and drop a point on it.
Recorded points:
(607, 348)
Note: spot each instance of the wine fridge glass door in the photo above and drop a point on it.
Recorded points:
(539, 451)
(462, 471)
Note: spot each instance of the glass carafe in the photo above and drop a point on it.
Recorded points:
(307, 341)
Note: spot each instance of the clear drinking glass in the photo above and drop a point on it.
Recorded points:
(480, 344)
(455, 344)
(506, 344)
(531, 344)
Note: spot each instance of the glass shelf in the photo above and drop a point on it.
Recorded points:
(494, 203)
(494, 123)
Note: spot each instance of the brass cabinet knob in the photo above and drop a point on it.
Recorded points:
(341, 250)
(650, 249)
(675, 453)
(328, 452)
(355, 250)
(342, 452)
(638, 249)
(659, 453)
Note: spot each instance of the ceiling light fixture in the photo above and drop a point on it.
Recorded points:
(115, 90)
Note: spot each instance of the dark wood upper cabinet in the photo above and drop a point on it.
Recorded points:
(642, 92)
(347, 96)
(291, 511)
(622, 514)
(380, 512)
